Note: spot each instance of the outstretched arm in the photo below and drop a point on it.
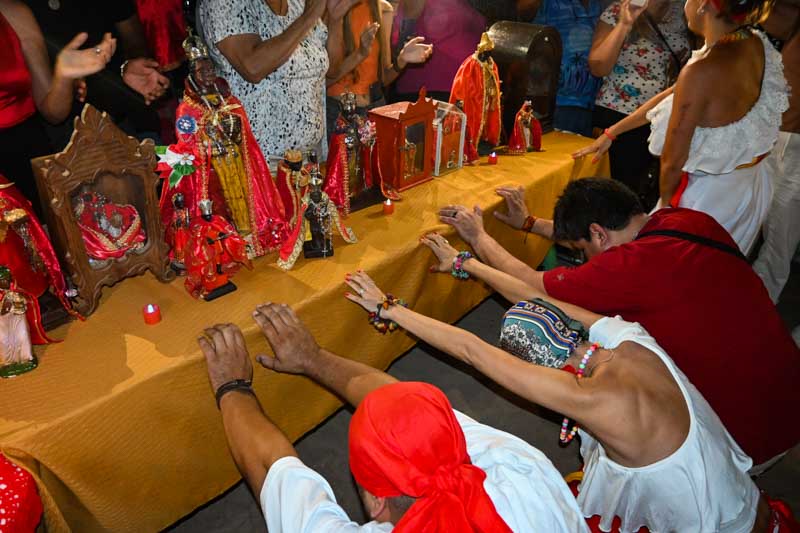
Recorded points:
(469, 224)
(255, 442)
(548, 387)
(296, 352)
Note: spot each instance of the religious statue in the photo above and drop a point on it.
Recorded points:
(527, 134)
(477, 84)
(228, 167)
(178, 232)
(213, 254)
(293, 182)
(29, 269)
(353, 178)
(313, 234)
(108, 230)
(16, 349)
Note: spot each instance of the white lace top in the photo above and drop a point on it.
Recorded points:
(287, 108)
(702, 487)
(720, 150)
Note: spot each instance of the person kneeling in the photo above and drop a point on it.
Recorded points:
(655, 453)
(419, 464)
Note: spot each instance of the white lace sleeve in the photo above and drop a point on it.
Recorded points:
(220, 19)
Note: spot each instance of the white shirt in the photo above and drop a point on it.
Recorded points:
(287, 108)
(703, 486)
(526, 489)
(737, 199)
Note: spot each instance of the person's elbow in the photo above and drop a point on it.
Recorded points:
(249, 71)
(599, 67)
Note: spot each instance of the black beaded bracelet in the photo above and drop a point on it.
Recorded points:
(244, 385)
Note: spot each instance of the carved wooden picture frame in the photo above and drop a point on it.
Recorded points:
(102, 157)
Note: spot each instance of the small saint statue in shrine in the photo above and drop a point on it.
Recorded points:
(477, 85)
(228, 167)
(108, 230)
(527, 134)
(16, 348)
(214, 253)
(313, 234)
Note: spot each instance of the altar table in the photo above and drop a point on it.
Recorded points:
(118, 424)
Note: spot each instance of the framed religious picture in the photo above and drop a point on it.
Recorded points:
(101, 205)
(528, 57)
(449, 128)
(405, 141)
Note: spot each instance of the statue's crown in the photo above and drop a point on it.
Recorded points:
(194, 46)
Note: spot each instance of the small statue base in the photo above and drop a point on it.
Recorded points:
(312, 252)
(220, 291)
(15, 369)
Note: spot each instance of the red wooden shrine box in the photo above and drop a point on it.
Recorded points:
(405, 141)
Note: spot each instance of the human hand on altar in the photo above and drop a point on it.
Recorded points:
(142, 75)
(226, 355)
(599, 147)
(442, 249)
(367, 294)
(468, 223)
(414, 51)
(516, 209)
(293, 345)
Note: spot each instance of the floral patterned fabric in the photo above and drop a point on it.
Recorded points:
(641, 69)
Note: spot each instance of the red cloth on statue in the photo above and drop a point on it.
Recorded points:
(709, 311)
(20, 504)
(291, 194)
(517, 144)
(213, 254)
(405, 440)
(468, 86)
(165, 29)
(16, 95)
(30, 280)
(270, 223)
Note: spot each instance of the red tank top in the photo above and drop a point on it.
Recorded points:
(16, 96)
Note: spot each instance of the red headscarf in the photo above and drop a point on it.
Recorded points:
(405, 440)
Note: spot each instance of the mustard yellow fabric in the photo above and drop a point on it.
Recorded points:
(118, 423)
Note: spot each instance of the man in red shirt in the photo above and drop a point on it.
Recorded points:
(690, 288)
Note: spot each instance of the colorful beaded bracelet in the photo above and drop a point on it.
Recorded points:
(384, 325)
(565, 437)
(458, 271)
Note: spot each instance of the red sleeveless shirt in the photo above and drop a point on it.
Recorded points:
(16, 95)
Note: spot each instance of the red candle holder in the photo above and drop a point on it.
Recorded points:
(151, 314)
(388, 207)
(492, 158)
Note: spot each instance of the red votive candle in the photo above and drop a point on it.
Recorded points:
(388, 207)
(152, 314)
(493, 158)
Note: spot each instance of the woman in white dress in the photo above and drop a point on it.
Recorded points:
(719, 120)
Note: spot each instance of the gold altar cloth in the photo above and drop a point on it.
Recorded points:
(118, 423)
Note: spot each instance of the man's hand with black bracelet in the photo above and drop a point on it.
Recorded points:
(226, 355)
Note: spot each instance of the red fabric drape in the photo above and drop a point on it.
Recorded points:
(405, 440)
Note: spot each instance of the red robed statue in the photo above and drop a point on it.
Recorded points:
(527, 134)
(213, 254)
(477, 84)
